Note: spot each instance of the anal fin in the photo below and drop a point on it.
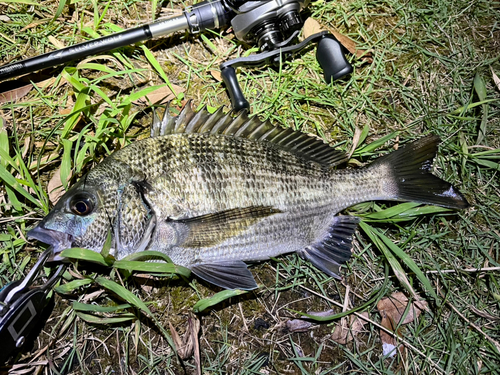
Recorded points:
(330, 252)
(227, 275)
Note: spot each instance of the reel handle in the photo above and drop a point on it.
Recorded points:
(331, 56)
(238, 100)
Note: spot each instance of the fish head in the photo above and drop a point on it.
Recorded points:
(81, 218)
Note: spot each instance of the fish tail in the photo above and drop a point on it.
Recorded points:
(409, 177)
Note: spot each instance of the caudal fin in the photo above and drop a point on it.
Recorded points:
(410, 167)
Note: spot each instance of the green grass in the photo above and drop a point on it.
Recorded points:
(431, 73)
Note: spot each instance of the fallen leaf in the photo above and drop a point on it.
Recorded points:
(395, 305)
(161, 95)
(484, 314)
(495, 78)
(301, 325)
(45, 83)
(175, 337)
(65, 111)
(44, 160)
(194, 325)
(26, 146)
(35, 23)
(188, 345)
(69, 106)
(298, 325)
(15, 94)
(57, 43)
(216, 74)
(55, 187)
(348, 328)
(391, 310)
(355, 140)
(4, 18)
(311, 26)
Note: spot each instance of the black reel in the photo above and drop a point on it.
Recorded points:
(274, 25)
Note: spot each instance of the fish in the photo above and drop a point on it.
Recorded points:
(216, 191)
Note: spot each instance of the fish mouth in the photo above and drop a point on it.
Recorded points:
(58, 240)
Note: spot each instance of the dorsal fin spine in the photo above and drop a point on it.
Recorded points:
(266, 134)
(211, 120)
(240, 125)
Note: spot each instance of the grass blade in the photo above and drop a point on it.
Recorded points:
(16, 186)
(89, 318)
(78, 306)
(86, 255)
(480, 88)
(389, 248)
(168, 268)
(204, 304)
(72, 286)
(124, 294)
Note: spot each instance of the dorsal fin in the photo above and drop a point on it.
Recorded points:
(242, 126)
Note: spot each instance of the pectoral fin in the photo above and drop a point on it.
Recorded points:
(227, 275)
(212, 229)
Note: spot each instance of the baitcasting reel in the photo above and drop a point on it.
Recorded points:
(272, 24)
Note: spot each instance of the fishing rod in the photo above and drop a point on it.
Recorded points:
(273, 24)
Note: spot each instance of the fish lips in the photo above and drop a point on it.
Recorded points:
(58, 240)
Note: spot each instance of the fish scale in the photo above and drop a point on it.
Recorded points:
(213, 191)
(187, 174)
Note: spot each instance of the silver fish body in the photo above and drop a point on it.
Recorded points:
(214, 191)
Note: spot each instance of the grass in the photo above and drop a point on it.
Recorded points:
(432, 72)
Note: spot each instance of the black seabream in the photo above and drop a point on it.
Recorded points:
(213, 191)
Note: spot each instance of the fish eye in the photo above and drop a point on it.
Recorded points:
(81, 205)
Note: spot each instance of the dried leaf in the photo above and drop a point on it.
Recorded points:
(65, 111)
(355, 140)
(55, 187)
(495, 78)
(392, 309)
(298, 325)
(483, 314)
(321, 313)
(388, 341)
(395, 305)
(175, 337)
(69, 106)
(188, 345)
(15, 94)
(216, 74)
(26, 147)
(311, 26)
(346, 332)
(57, 43)
(194, 327)
(45, 83)
(44, 160)
(35, 24)
(163, 94)
(350, 45)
